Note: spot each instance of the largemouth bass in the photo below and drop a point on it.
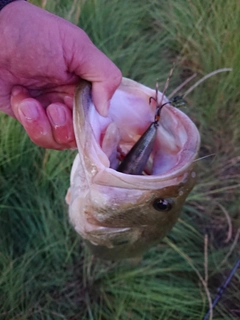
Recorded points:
(121, 215)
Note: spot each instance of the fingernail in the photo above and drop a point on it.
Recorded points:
(28, 111)
(57, 115)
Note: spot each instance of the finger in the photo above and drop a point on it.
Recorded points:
(33, 118)
(105, 78)
(85, 60)
(102, 93)
(60, 117)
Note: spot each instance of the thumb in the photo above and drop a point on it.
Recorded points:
(88, 62)
(102, 92)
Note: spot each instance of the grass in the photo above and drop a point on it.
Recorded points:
(45, 271)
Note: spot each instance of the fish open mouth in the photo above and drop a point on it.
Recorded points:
(129, 116)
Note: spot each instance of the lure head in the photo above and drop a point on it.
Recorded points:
(121, 215)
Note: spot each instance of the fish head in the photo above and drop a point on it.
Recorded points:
(117, 214)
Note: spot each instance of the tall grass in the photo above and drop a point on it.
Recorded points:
(45, 271)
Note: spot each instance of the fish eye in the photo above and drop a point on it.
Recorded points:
(162, 204)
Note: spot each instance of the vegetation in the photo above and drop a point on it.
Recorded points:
(45, 271)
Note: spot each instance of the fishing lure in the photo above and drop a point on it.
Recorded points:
(136, 159)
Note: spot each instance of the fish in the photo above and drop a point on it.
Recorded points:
(121, 215)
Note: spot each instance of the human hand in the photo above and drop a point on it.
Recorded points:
(42, 58)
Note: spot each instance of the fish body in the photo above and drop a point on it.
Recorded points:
(121, 215)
